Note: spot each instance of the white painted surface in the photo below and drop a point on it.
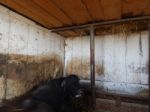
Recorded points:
(22, 37)
(124, 59)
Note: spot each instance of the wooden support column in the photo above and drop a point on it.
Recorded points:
(149, 60)
(92, 65)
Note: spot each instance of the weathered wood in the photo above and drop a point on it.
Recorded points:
(52, 9)
(149, 60)
(122, 97)
(92, 65)
(94, 9)
(75, 10)
(54, 13)
(85, 26)
(113, 9)
(131, 8)
(27, 13)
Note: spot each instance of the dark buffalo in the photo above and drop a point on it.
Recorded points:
(55, 95)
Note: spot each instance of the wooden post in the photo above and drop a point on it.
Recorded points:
(149, 61)
(92, 65)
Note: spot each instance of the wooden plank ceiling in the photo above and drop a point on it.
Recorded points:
(61, 13)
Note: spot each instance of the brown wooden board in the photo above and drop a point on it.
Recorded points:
(75, 9)
(62, 13)
(95, 9)
(49, 7)
(30, 5)
(26, 12)
(112, 9)
(135, 8)
(68, 33)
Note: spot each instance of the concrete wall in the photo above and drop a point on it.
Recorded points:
(121, 61)
(29, 54)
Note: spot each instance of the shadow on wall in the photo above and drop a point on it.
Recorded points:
(24, 71)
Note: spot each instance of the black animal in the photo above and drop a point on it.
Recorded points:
(57, 92)
(55, 95)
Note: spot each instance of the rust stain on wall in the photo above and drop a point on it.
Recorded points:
(100, 70)
(2, 89)
(3, 63)
(81, 67)
(143, 93)
(24, 71)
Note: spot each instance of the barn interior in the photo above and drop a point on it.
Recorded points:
(105, 43)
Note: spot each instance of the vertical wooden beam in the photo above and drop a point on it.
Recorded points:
(149, 61)
(92, 65)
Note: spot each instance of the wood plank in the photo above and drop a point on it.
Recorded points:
(74, 33)
(21, 9)
(53, 10)
(112, 10)
(29, 4)
(68, 33)
(60, 13)
(95, 9)
(149, 61)
(124, 97)
(75, 9)
(135, 7)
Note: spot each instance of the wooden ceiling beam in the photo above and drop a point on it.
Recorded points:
(136, 7)
(85, 26)
(102, 9)
(86, 9)
(53, 10)
(111, 9)
(29, 4)
(74, 9)
(94, 9)
(18, 8)
(121, 10)
(61, 13)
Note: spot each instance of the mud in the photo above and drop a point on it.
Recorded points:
(24, 71)
(143, 93)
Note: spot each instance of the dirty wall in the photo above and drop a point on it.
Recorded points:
(121, 62)
(29, 54)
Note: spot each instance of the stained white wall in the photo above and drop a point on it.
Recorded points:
(121, 61)
(27, 48)
(22, 36)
